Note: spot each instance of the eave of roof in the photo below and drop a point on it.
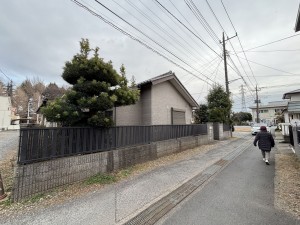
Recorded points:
(170, 76)
(279, 105)
(288, 94)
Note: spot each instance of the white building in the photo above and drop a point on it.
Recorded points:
(293, 107)
(268, 112)
(6, 114)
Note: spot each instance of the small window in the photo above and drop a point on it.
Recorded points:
(178, 116)
(263, 111)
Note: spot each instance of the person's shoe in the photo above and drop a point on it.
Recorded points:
(264, 159)
(267, 162)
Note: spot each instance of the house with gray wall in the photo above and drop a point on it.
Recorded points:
(163, 100)
(268, 112)
(293, 106)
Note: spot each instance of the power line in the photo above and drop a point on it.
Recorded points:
(164, 30)
(153, 29)
(194, 9)
(135, 38)
(206, 68)
(5, 74)
(281, 50)
(239, 73)
(282, 39)
(239, 42)
(184, 62)
(276, 75)
(237, 70)
(175, 21)
(281, 85)
(269, 67)
(186, 27)
(184, 18)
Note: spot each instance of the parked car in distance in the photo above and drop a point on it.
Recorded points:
(256, 128)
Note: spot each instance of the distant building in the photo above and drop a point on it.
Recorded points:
(268, 112)
(293, 107)
(163, 100)
(7, 114)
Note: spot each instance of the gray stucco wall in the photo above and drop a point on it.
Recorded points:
(130, 115)
(146, 105)
(154, 106)
(164, 96)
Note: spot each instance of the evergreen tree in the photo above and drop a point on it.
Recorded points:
(241, 117)
(97, 88)
(219, 105)
(201, 114)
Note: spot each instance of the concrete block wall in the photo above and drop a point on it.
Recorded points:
(226, 135)
(167, 147)
(188, 143)
(41, 177)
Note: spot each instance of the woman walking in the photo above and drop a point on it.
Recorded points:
(265, 143)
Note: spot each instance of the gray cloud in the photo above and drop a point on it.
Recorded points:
(38, 37)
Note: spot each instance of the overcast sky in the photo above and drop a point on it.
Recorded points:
(38, 37)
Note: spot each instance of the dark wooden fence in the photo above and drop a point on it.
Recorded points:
(227, 127)
(39, 144)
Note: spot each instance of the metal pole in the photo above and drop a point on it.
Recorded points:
(2, 194)
(225, 66)
(257, 109)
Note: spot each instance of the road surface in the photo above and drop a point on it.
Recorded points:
(241, 194)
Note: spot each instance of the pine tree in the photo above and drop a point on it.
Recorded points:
(219, 105)
(97, 88)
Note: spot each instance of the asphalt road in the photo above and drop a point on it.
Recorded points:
(9, 141)
(241, 194)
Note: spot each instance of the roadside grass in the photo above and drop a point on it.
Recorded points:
(58, 194)
(7, 171)
(93, 183)
(35, 198)
(287, 183)
(101, 179)
(6, 203)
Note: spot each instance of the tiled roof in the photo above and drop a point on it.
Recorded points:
(272, 105)
(170, 76)
(170, 73)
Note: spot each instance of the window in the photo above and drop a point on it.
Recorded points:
(263, 111)
(177, 116)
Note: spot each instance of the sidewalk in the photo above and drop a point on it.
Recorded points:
(241, 193)
(143, 198)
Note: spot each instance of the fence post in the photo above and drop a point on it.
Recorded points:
(2, 194)
(296, 140)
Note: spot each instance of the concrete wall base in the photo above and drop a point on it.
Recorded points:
(41, 177)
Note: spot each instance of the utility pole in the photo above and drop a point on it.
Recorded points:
(9, 89)
(225, 66)
(243, 99)
(257, 108)
(225, 61)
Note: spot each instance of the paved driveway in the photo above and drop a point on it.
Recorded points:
(9, 141)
